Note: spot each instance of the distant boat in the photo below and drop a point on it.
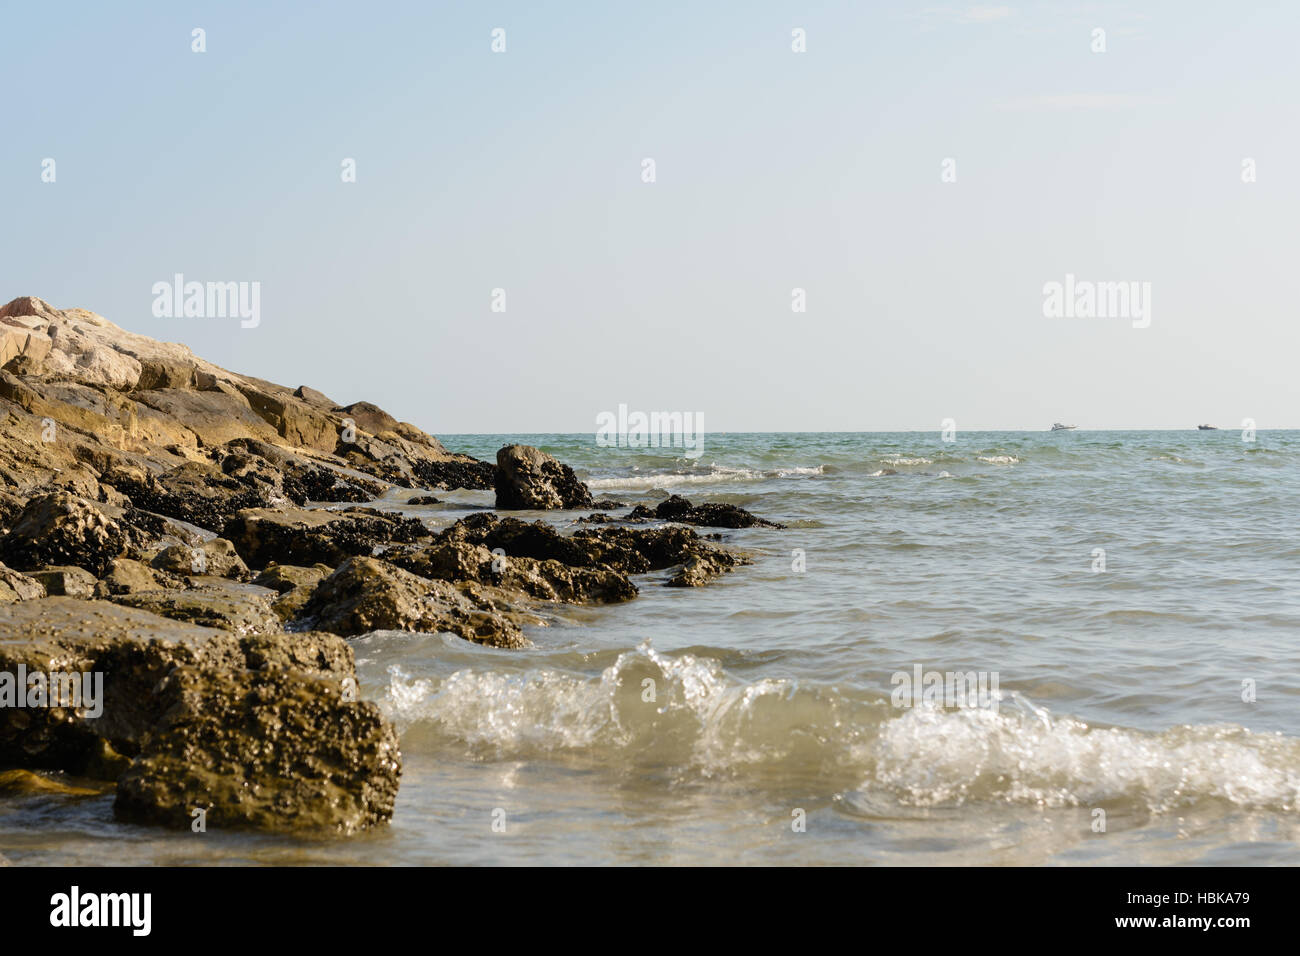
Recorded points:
(1058, 427)
(1208, 428)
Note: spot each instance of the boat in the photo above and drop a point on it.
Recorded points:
(1058, 427)
(1208, 428)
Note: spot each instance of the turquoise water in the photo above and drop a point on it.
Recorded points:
(1119, 690)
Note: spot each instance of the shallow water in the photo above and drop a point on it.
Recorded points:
(1118, 690)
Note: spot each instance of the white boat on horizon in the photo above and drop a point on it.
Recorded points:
(1058, 427)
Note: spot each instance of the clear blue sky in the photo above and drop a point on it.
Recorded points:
(775, 170)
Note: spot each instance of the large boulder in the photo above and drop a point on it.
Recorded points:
(265, 749)
(298, 422)
(529, 479)
(258, 730)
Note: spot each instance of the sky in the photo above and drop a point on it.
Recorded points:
(774, 170)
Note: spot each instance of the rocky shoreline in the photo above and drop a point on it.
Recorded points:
(202, 542)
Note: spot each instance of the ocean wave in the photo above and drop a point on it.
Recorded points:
(1000, 459)
(931, 757)
(714, 475)
(703, 721)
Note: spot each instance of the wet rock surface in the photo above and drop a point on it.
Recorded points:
(677, 508)
(269, 749)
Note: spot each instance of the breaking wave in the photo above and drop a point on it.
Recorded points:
(685, 715)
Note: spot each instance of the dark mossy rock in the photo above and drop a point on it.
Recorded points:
(464, 472)
(541, 579)
(529, 479)
(677, 508)
(308, 536)
(62, 529)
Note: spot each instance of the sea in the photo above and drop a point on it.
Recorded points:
(1059, 648)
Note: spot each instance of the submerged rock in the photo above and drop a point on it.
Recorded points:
(529, 479)
(677, 508)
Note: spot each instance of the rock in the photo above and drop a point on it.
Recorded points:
(366, 594)
(68, 581)
(299, 423)
(608, 504)
(262, 749)
(529, 479)
(60, 529)
(618, 549)
(368, 417)
(673, 508)
(462, 472)
(545, 580)
(518, 539)
(215, 557)
(18, 587)
(261, 724)
(285, 577)
(199, 493)
(127, 576)
(677, 508)
(132, 650)
(212, 602)
(303, 537)
(21, 344)
(313, 397)
(294, 584)
(215, 417)
(422, 500)
(637, 550)
(698, 570)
